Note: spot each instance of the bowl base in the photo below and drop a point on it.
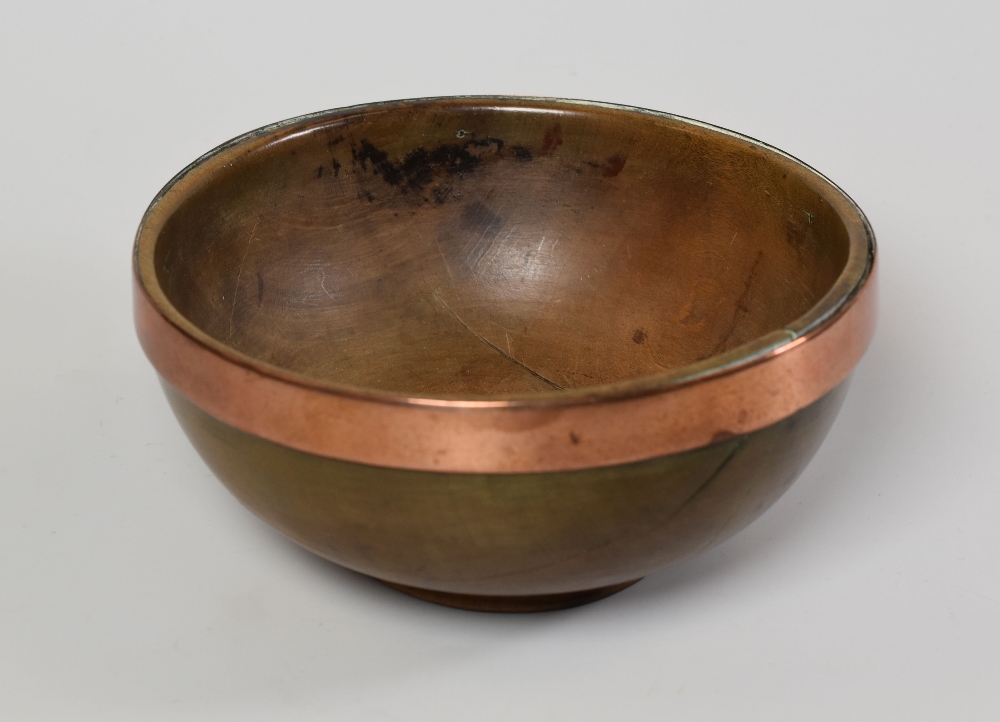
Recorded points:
(527, 603)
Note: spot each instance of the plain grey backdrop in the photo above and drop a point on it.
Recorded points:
(133, 587)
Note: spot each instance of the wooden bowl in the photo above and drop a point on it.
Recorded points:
(504, 353)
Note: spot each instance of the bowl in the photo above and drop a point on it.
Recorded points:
(503, 353)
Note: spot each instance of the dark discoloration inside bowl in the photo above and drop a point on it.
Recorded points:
(450, 249)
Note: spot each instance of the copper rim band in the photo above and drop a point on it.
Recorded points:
(553, 433)
(509, 439)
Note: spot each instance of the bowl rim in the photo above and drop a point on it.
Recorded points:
(853, 277)
(711, 401)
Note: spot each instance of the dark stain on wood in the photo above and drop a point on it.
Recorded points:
(613, 165)
(419, 167)
(552, 139)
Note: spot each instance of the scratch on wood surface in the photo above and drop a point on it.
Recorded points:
(322, 284)
(239, 274)
(496, 348)
(741, 305)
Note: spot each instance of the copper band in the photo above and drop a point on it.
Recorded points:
(461, 437)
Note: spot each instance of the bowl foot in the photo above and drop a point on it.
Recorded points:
(528, 603)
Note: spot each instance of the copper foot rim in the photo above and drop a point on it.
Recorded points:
(513, 604)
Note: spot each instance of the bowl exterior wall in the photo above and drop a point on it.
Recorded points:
(512, 534)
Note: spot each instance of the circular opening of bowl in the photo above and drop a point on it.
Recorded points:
(498, 247)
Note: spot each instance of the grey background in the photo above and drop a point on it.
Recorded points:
(132, 586)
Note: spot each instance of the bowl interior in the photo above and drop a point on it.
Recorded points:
(491, 248)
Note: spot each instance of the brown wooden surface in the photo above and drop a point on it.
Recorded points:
(511, 535)
(473, 249)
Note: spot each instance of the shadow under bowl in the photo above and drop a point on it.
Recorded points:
(505, 354)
